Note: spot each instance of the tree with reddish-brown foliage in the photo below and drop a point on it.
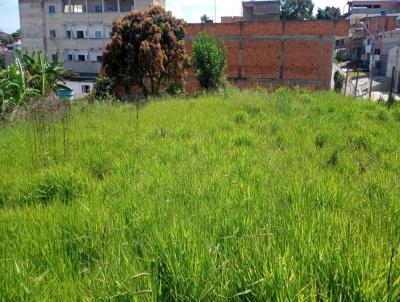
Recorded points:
(148, 50)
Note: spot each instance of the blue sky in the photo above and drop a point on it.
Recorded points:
(190, 10)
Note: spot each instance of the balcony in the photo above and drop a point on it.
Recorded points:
(97, 7)
(371, 11)
(83, 66)
(357, 26)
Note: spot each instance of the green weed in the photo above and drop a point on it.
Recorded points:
(251, 196)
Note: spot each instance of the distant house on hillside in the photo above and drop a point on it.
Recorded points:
(370, 18)
(14, 46)
(267, 10)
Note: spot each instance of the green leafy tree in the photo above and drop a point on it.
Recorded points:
(205, 19)
(6, 39)
(329, 13)
(16, 35)
(209, 59)
(148, 50)
(297, 10)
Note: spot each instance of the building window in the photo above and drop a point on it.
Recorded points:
(79, 9)
(68, 34)
(52, 34)
(98, 34)
(52, 9)
(98, 8)
(112, 8)
(67, 8)
(79, 34)
(54, 58)
(85, 88)
(81, 58)
(398, 21)
(70, 57)
(99, 58)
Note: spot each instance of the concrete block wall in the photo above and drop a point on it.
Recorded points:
(273, 54)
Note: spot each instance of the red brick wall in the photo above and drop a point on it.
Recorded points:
(273, 54)
(379, 24)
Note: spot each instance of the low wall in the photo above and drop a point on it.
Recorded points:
(273, 54)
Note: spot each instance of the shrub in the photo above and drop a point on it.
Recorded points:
(2, 60)
(383, 116)
(209, 60)
(147, 50)
(333, 158)
(103, 87)
(43, 109)
(240, 118)
(321, 140)
(242, 141)
(396, 115)
(252, 111)
(100, 167)
(62, 186)
(391, 102)
(360, 142)
(338, 79)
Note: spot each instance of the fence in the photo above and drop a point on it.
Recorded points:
(272, 54)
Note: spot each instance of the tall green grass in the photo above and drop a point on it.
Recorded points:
(251, 196)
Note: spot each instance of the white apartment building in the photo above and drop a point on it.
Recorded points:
(74, 32)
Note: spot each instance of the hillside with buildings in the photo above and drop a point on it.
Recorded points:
(76, 34)
(374, 40)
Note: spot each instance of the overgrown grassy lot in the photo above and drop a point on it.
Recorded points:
(250, 196)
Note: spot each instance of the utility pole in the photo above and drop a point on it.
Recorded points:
(371, 66)
(355, 89)
(347, 79)
(215, 11)
(371, 60)
(392, 82)
(393, 79)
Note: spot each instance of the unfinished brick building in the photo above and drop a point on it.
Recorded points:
(272, 54)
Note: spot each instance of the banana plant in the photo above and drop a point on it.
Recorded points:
(31, 75)
(46, 76)
(15, 85)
